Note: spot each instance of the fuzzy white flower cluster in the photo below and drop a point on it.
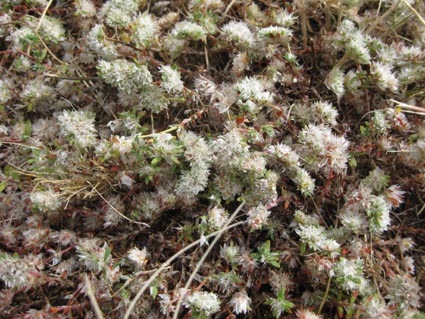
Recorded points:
(217, 217)
(230, 148)
(404, 291)
(251, 89)
(37, 89)
(171, 79)
(46, 200)
(119, 13)
(52, 29)
(97, 41)
(5, 19)
(317, 112)
(21, 38)
(349, 274)
(122, 144)
(194, 180)
(206, 4)
(238, 33)
(146, 30)
(289, 159)
(203, 303)
(96, 258)
(139, 257)
(79, 127)
(5, 92)
(324, 112)
(323, 150)
(275, 34)
(353, 41)
(377, 308)
(258, 217)
(85, 8)
(378, 211)
(240, 303)
(187, 29)
(285, 18)
(384, 78)
(315, 235)
(365, 211)
(18, 272)
(335, 82)
(127, 76)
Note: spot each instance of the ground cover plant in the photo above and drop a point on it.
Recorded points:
(212, 159)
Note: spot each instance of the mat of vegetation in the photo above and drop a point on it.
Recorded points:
(212, 159)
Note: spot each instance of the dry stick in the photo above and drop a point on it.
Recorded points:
(43, 15)
(304, 24)
(325, 297)
(72, 78)
(416, 13)
(408, 106)
(114, 209)
(92, 297)
(201, 261)
(166, 264)
(229, 7)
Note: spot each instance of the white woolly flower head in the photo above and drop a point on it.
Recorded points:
(349, 274)
(17, 272)
(203, 303)
(122, 144)
(324, 112)
(284, 154)
(328, 151)
(217, 217)
(353, 41)
(306, 314)
(285, 19)
(5, 92)
(139, 257)
(171, 79)
(378, 211)
(187, 29)
(119, 13)
(85, 8)
(126, 76)
(384, 78)
(97, 41)
(275, 34)
(239, 33)
(252, 88)
(335, 82)
(230, 253)
(313, 235)
(206, 4)
(21, 38)
(36, 89)
(258, 217)
(46, 200)
(375, 307)
(240, 303)
(115, 17)
(305, 183)
(146, 30)
(353, 221)
(79, 126)
(52, 29)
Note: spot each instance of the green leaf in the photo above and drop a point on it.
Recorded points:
(2, 186)
(302, 248)
(153, 291)
(107, 253)
(156, 161)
